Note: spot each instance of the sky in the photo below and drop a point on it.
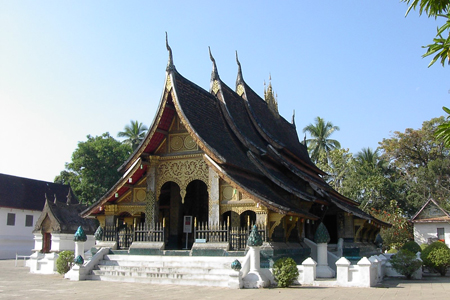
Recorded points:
(69, 69)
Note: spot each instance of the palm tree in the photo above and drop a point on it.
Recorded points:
(367, 155)
(320, 142)
(134, 132)
(443, 131)
(371, 158)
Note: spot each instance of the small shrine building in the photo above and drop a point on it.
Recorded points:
(214, 162)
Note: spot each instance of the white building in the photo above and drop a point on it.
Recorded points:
(431, 223)
(21, 204)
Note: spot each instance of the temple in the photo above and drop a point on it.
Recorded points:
(213, 164)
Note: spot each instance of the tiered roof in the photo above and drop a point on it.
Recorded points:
(252, 149)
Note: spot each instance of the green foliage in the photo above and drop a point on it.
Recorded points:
(405, 263)
(412, 247)
(338, 164)
(64, 261)
(443, 131)
(320, 141)
(421, 163)
(285, 271)
(437, 257)
(392, 251)
(134, 132)
(401, 230)
(441, 43)
(423, 247)
(93, 170)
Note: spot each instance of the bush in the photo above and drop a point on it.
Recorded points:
(285, 271)
(423, 247)
(437, 257)
(392, 250)
(412, 247)
(64, 261)
(405, 263)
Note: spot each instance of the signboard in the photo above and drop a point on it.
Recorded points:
(187, 227)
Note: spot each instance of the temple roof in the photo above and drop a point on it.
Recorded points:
(25, 193)
(65, 218)
(248, 146)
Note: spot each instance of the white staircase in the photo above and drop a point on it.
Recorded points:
(182, 270)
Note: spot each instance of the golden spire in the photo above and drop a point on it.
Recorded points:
(271, 98)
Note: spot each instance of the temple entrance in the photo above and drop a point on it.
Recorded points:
(195, 205)
(248, 218)
(46, 242)
(173, 210)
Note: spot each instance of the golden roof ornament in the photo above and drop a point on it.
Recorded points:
(214, 85)
(271, 98)
(170, 65)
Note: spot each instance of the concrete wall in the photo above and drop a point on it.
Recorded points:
(423, 231)
(18, 238)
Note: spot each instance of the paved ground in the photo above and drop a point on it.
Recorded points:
(18, 283)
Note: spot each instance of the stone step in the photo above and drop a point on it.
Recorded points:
(160, 280)
(163, 261)
(170, 275)
(151, 269)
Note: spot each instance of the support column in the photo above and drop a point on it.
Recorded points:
(152, 207)
(214, 202)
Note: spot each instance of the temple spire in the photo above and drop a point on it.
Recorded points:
(215, 81)
(214, 73)
(240, 78)
(270, 98)
(170, 65)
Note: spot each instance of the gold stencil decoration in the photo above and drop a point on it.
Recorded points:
(189, 142)
(240, 90)
(182, 172)
(215, 87)
(227, 193)
(168, 84)
(140, 195)
(176, 143)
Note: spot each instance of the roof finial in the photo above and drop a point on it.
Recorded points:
(293, 118)
(214, 73)
(69, 198)
(170, 65)
(54, 201)
(304, 140)
(240, 78)
(46, 199)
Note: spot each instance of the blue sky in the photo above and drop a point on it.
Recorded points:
(73, 68)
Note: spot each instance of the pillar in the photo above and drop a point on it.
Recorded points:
(213, 194)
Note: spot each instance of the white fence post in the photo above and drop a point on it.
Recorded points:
(309, 271)
(342, 266)
(364, 272)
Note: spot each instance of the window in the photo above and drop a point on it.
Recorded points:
(29, 221)
(11, 219)
(440, 234)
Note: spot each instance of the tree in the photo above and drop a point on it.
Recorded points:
(441, 43)
(401, 230)
(134, 132)
(443, 130)
(320, 141)
(338, 165)
(414, 148)
(93, 170)
(422, 162)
